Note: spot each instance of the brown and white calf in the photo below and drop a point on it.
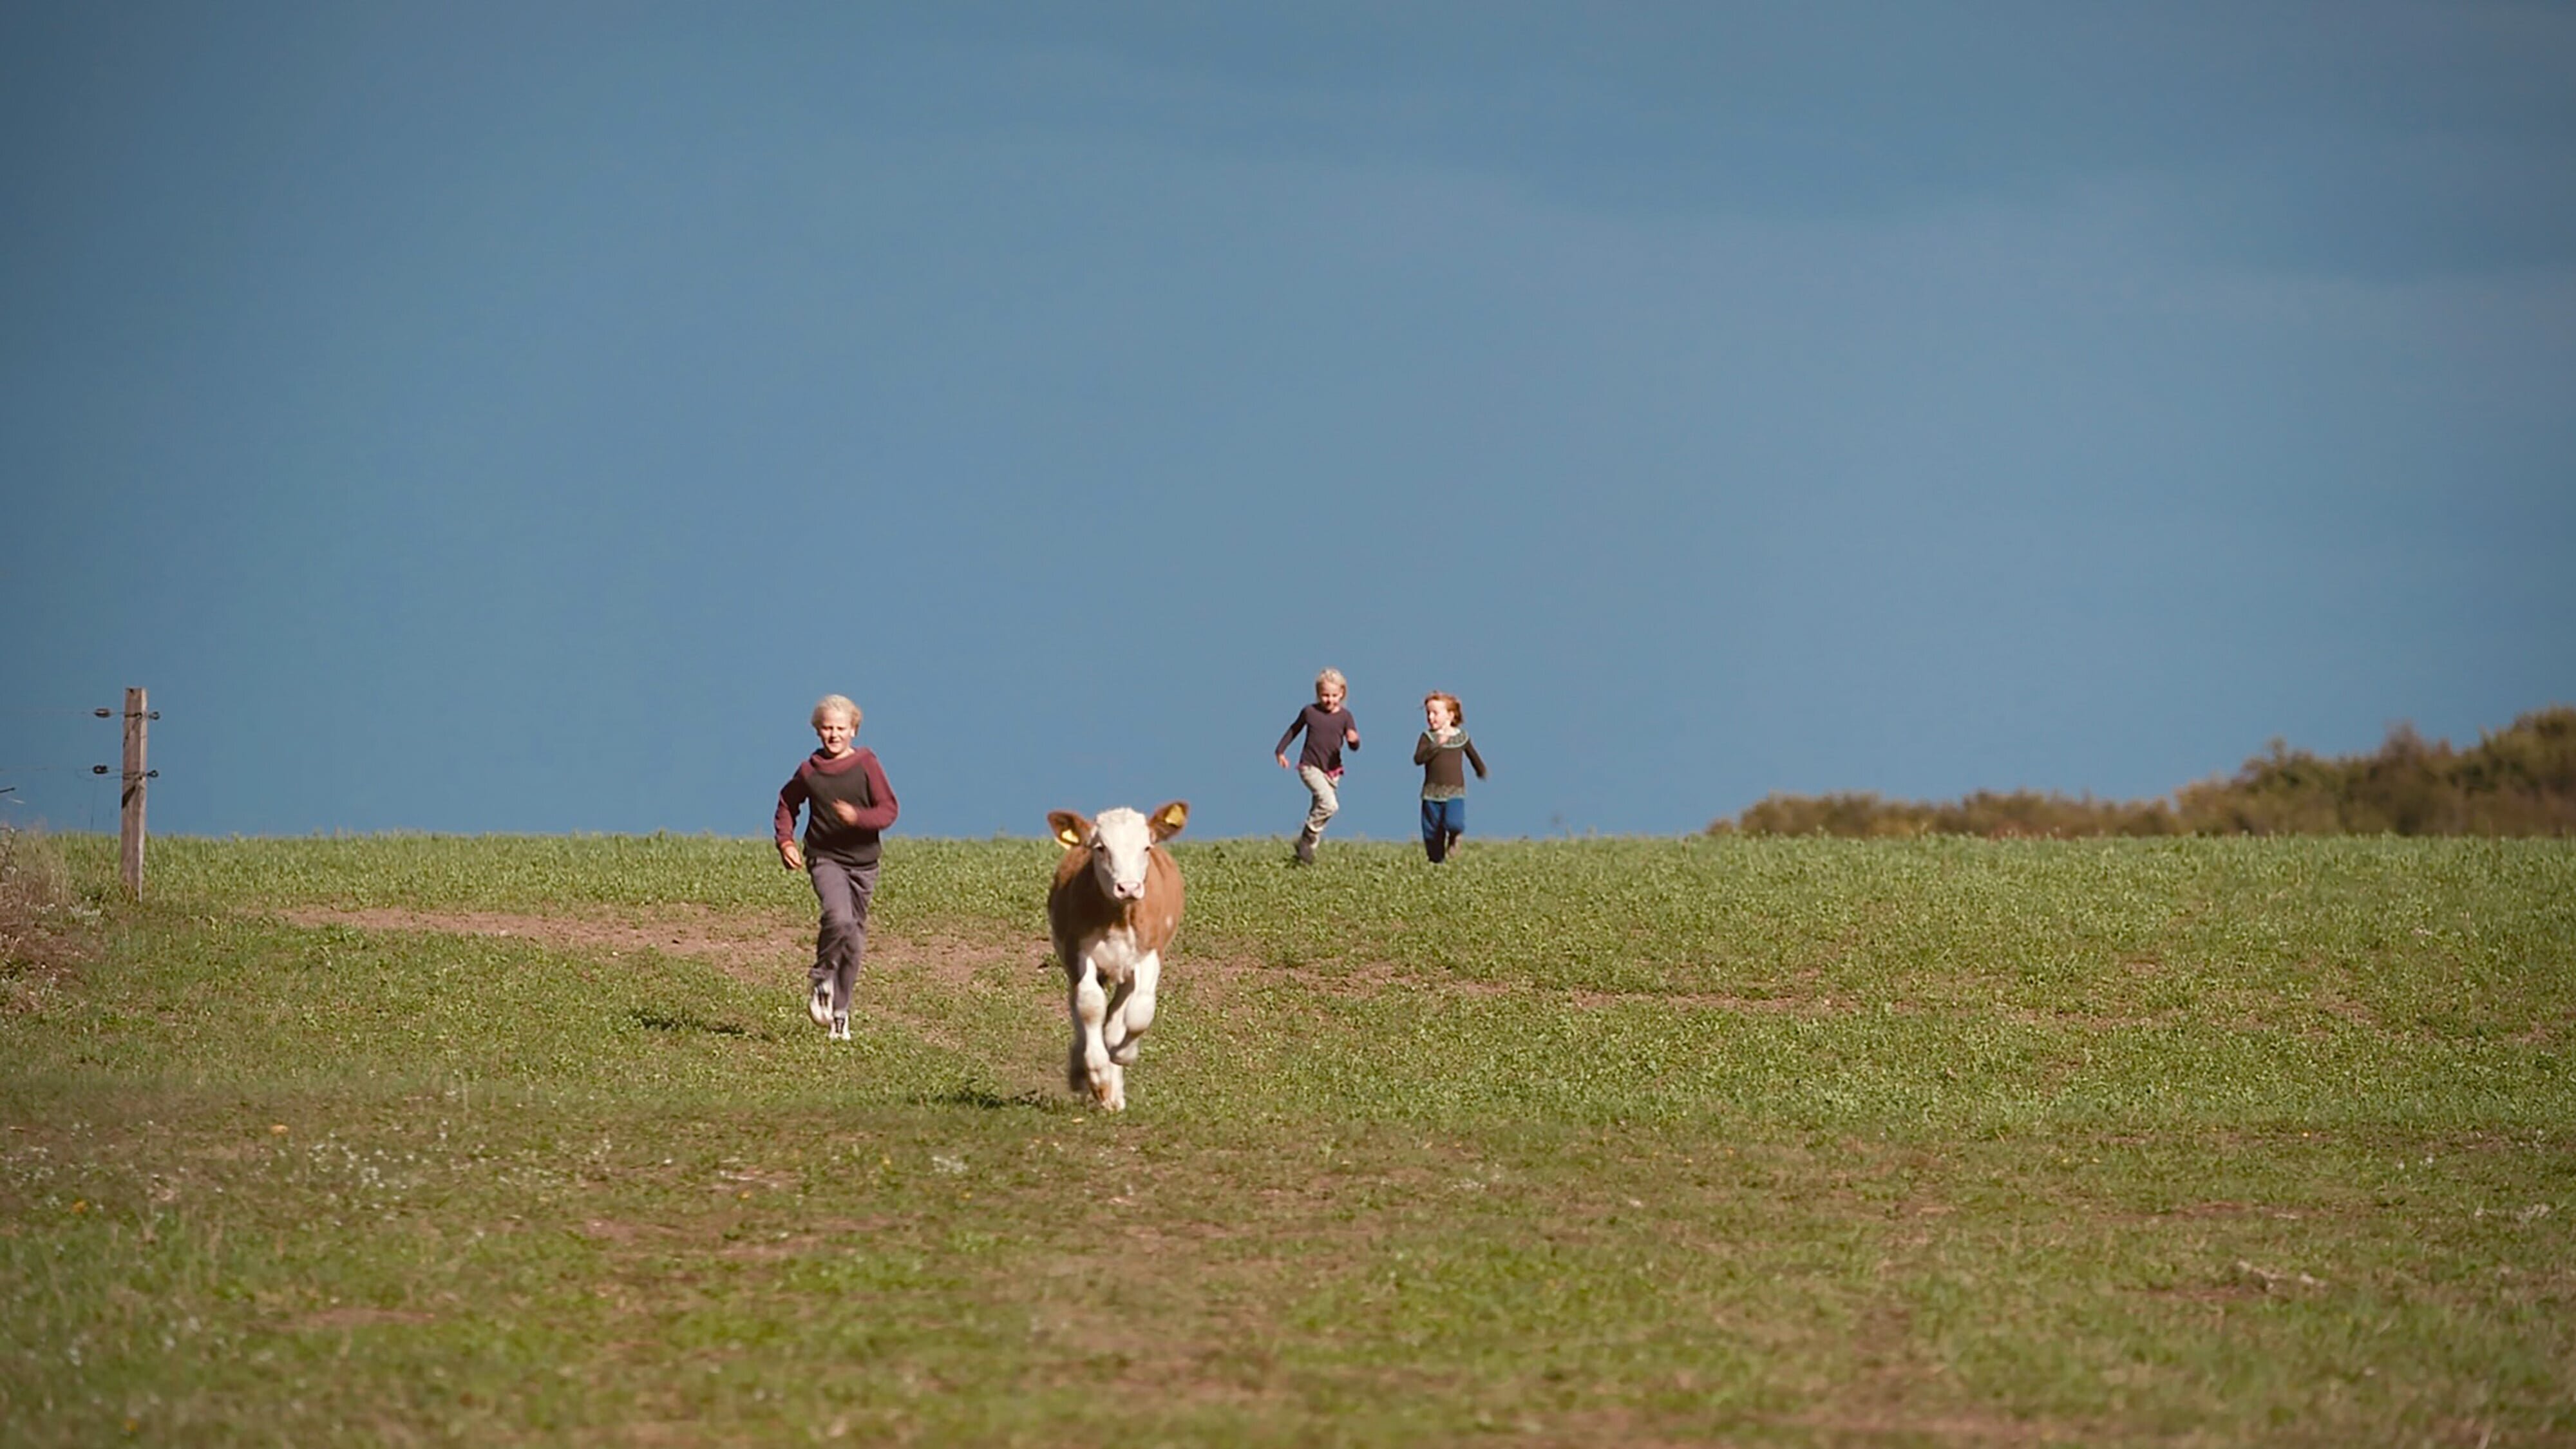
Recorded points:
(1113, 908)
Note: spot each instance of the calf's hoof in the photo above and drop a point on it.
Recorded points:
(1107, 1087)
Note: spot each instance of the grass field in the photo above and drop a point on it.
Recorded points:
(409, 1140)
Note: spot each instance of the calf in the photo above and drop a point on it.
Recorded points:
(1113, 908)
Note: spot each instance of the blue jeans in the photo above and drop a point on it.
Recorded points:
(1443, 821)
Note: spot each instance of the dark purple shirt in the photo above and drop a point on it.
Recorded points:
(1323, 737)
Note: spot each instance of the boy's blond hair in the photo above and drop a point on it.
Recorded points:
(835, 704)
(1457, 711)
(1334, 678)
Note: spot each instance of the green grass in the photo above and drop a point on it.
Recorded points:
(1766, 1141)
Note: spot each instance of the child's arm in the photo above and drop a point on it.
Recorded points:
(1351, 732)
(783, 823)
(1424, 748)
(1281, 749)
(1475, 759)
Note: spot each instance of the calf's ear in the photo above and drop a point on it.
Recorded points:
(1071, 830)
(1167, 820)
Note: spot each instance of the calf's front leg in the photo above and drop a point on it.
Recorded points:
(1089, 1067)
(1128, 1020)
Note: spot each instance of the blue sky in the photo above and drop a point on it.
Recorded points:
(510, 418)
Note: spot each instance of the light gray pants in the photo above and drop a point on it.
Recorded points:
(1326, 803)
(841, 941)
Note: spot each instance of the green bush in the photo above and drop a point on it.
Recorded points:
(2516, 781)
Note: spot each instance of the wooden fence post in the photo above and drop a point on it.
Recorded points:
(130, 821)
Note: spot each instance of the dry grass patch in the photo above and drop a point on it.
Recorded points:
(346, 1318)
(1221, 979)
(45, 929)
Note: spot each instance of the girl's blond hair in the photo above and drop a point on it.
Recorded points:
(1457, 711)
(835, 704)
(1334, 678)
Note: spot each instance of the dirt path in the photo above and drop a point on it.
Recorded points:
(758, 948)
(767, 950)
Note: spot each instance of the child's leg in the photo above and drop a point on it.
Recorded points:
(1435, 831)
(845, 982)
(828, 890)
(825, 875)
(1323, 803)
(1454, 819)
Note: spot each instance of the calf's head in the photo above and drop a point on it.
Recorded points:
(1119, 842)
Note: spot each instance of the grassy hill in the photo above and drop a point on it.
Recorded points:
(408, 1139)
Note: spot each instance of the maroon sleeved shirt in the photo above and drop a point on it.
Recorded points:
(856, 779)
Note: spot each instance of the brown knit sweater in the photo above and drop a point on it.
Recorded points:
(1444, 764)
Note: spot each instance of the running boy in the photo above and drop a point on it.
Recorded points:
(1328, 728)
(1439, 752)
(851, 803)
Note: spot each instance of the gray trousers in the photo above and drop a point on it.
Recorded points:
(841, 941)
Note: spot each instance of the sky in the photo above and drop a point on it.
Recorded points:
(506, 418)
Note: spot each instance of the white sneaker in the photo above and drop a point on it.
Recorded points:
(840, 1026)
(819, 1006)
